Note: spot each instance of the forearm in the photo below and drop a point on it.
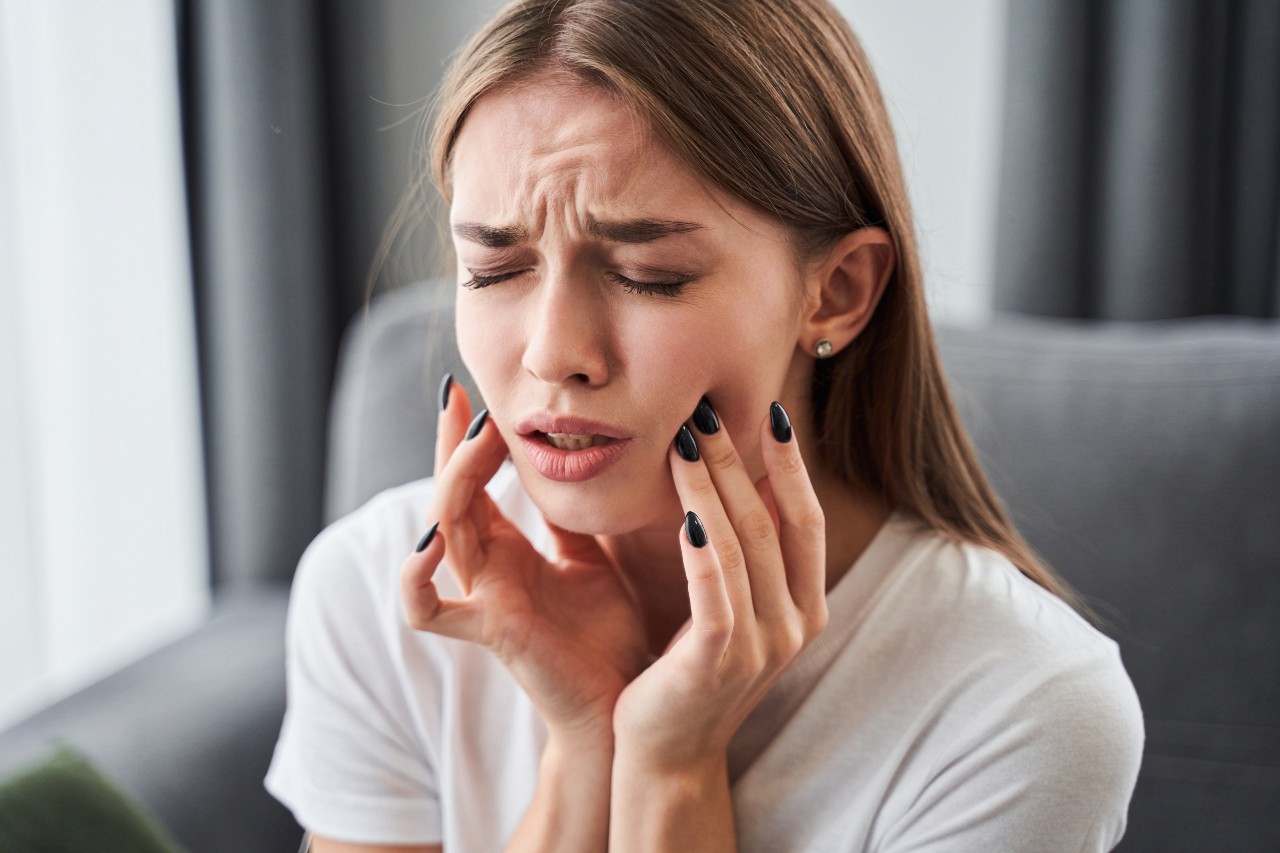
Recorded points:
(570, 807)
(654, 809)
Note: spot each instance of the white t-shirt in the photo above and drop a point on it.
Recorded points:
(950, 704)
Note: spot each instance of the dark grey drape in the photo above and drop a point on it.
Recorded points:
(1141, 174)
(266, 299)
(299, 129)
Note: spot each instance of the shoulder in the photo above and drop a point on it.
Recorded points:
(1005, 720)
(1036, 699)
(972, 598)
(979, 606)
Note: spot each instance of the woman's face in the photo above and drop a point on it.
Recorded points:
(605, 289)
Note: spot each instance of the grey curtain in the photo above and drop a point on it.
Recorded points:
(300, 119)
(267, 303)
(1141, 175)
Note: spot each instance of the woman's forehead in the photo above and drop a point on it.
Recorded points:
(573, 150)
(530, 139)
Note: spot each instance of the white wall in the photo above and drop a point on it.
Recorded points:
(102, 531)
(941, 65)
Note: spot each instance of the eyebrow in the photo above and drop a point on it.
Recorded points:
(623, 231)
(494, 237)
(637, 230)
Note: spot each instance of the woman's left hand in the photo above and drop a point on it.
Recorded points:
(757, 593)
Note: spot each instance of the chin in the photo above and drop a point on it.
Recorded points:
(601, 508)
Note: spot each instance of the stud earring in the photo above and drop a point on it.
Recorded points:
(823, 348)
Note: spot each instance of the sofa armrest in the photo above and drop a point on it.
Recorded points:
(189, 730)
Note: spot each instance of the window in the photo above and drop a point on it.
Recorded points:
(103, 551)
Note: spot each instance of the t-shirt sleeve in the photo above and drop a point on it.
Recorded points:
(348, 763)
(1049, 766)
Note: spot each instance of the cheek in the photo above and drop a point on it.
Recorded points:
(750, 363)
(481, 339)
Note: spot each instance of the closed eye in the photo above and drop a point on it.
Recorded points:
(479, 280)
(669, 287)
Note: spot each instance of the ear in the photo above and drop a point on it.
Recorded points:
(846, 287)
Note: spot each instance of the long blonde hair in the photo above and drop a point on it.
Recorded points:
(775, 102)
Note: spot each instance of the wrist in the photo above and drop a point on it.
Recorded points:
(670, 806)
(692, 774)
(577, 747)
(570, 806)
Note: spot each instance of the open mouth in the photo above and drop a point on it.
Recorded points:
(573, 441)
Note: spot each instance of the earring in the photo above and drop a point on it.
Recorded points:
(823, 348)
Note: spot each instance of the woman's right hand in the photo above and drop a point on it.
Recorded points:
(568, 630)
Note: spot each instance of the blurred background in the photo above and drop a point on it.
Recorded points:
(193, 193)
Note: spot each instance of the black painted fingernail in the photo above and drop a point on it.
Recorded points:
(445, 385)
(477, 424)
(693, 529)
(426, 539)
(685, 445)
(704, 418)
(780, 423)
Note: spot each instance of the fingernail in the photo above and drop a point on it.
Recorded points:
(477, 424)
(780, 423)
(445, 385)
(694, 531)
(426, 539)
(685, 445)
(704, 418)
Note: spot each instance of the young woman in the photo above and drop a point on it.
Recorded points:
(741, 584)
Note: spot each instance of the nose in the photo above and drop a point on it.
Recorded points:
(567, 338)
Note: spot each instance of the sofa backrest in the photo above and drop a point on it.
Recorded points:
(1142, 460)
(382, 416)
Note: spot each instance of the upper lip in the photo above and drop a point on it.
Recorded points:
(570, 424)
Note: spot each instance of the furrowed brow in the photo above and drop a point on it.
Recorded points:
(637, 230)
(491, 236)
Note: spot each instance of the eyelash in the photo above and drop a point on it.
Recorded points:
(648, 288)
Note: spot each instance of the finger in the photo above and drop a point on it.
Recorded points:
(766, 494)
(460, 502)
(451, 424)
(751, 521)
(711, 618)
(424, 610)
(698, 494)
(417, 589)
(802, 527)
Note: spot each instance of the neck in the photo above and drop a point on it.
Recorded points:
(649, 558)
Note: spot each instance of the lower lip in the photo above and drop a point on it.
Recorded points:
(571, 466)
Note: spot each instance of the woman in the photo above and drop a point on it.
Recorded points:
(742, 583)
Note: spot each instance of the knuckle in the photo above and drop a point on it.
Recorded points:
(414, 617)
(812, 519)
(731, 557)
(790, 461)
(702, 487)
(756, 528)
(702, 573)
(723, 455)
(786, 640)
(718, 629)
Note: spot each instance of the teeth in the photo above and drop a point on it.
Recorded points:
(570, 441)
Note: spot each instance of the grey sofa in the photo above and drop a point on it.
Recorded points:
(1143, 460)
